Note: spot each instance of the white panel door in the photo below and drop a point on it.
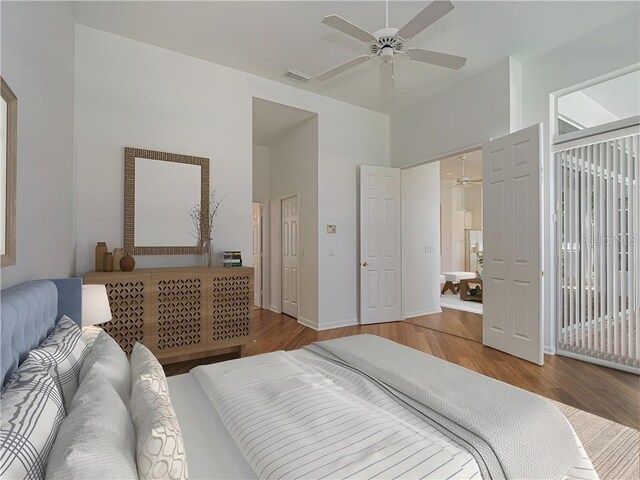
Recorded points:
(256, 223)
(290, 256)
(380, 240)
(512, 276)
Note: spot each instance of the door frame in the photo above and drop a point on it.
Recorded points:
(263, 257)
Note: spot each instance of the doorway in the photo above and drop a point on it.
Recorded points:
(285, 182)
(461, 232)
(442, 235)
(289, 252)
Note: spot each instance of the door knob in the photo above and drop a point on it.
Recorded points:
(365, 264)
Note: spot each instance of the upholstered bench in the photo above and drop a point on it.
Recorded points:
(452, 280)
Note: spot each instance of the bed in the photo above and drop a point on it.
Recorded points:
(354, 407)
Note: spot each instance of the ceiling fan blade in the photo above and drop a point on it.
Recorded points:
(431, 13)
(345, 26)
(343, 67)
(436, 58)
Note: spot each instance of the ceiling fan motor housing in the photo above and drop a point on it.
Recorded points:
(387, 43)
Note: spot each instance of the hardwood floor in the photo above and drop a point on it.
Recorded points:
(602, 391)
(454, 322)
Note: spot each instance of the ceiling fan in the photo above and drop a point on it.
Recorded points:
(463, 180)
(388, 41)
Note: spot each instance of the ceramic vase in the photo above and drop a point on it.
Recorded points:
(118, 253)
(127, 263)
(101, 249)
(107, 262)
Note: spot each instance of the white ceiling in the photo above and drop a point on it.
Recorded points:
(451, 168)
(271, 121)
(266, 37)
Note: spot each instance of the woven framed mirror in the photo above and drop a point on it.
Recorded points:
(161, 193)
(8, 166)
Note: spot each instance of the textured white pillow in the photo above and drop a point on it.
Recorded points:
(62, 354)
(90, 333)
(160, 449)
(97, 439)
(31, 414)
(148, 381)
(107, 357)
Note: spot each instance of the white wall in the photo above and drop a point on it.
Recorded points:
(37, 63)
(129, 93)
(294, 171)
(421, 240)
(465, 115)
(261, 171)
(602, 51)
(446, 226)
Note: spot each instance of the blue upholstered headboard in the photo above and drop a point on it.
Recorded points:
(29, 312)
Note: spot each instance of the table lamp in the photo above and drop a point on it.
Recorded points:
(95, 305)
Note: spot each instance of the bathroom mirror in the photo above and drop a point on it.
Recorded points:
(162, 196)
(8, 165)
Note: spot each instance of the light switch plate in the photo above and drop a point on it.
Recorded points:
(331, 229)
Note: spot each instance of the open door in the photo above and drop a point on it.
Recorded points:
(380, 243)
(512, 275)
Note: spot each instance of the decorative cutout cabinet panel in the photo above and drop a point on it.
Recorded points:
(180, 313)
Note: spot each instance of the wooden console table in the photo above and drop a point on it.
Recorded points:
(180, 313)
(465, 290)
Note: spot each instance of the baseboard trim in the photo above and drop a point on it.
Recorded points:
(349, 322)
(420, 313)
(327, 326)
(308, 323)
(274, 309)
(549, 350)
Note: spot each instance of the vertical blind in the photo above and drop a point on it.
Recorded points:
(598, 234)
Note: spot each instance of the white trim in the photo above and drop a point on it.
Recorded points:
(347, 322)
(561, 140)
(575, 88)
(274, 309)
(549, 350)
(410, 315)
(601, 137)
(350, 322)
(307, 323)
(595, 81)
(444, 156)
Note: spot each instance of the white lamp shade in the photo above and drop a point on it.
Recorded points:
(95, 305)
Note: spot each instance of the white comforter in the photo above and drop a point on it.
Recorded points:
(293, 415)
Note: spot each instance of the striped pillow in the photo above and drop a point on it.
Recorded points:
(62, 354)
(31, 412)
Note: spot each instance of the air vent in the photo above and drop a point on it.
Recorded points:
(296, 76)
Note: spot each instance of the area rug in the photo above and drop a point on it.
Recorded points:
(614, 449)
(449, 300)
